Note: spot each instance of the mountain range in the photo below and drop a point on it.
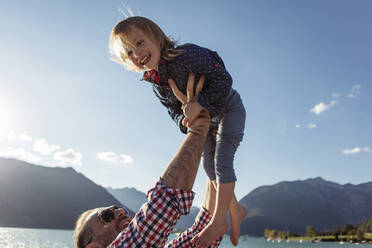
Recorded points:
(43, 197)
(312, 202)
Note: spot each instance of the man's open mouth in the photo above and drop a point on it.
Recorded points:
(124, 223)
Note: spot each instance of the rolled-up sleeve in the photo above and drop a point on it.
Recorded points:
(184, 239)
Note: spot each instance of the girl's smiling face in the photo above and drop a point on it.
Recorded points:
(142, 51)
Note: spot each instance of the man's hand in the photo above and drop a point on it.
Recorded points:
(191, 110)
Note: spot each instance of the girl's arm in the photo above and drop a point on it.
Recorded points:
(174, 110)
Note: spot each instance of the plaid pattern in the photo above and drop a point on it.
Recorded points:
(156, 218)
(184, 239)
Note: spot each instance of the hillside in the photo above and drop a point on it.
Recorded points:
(43, 197)
(297, 204)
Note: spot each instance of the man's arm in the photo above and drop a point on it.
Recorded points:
(172, 196)
(181, 171)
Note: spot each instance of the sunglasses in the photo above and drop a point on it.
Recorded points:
(108, 215)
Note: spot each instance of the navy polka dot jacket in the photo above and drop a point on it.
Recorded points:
(199, 61)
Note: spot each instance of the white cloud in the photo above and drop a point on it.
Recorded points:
(354, 91)
(311, 125)
(335, 95)
(108, 157)
(321, 107)
(41, 146)
(25, 137)
(356, 150)
(21, 154)
(126, 159)
(298, 125)
(115, 158)
(68, 156)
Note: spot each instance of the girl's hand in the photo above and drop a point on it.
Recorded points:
(190, 99)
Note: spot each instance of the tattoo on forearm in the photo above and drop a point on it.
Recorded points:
(181, 171)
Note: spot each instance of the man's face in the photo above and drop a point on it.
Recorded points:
(142, 51)
(106, 224)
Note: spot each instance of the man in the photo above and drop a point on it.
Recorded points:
(167, 201)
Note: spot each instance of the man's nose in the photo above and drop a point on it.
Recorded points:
(119, 213)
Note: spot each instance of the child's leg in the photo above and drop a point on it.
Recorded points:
(210, 195)
(209, 202)
(237, 215)
(208, 156)
(229, 135)
(218, 224)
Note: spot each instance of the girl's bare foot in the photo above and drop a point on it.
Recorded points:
(237, 215)
(213, 231)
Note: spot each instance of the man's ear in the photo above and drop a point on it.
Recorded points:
(94, 244)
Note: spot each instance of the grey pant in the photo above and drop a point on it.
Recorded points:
(218, 156)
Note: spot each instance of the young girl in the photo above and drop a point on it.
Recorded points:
(140, 45)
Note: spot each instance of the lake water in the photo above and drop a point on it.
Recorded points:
(46, 238)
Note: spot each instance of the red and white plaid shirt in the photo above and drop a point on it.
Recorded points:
(184, 239)
(155, 220)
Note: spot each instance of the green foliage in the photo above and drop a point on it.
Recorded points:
(349, 232)
(337, 231)
(347, 228)
(273, 234)
(267, 233)
(368, 235)
(360, 234)
(310, 231)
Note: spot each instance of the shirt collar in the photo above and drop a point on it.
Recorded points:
(157, 77)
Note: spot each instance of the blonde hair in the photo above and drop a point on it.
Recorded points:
(118, 40)
(82, 231)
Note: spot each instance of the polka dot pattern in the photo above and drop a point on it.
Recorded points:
(199, 61)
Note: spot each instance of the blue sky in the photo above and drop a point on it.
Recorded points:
(302, 68)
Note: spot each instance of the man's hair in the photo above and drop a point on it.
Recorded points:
(118, 40)
(82, 231)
